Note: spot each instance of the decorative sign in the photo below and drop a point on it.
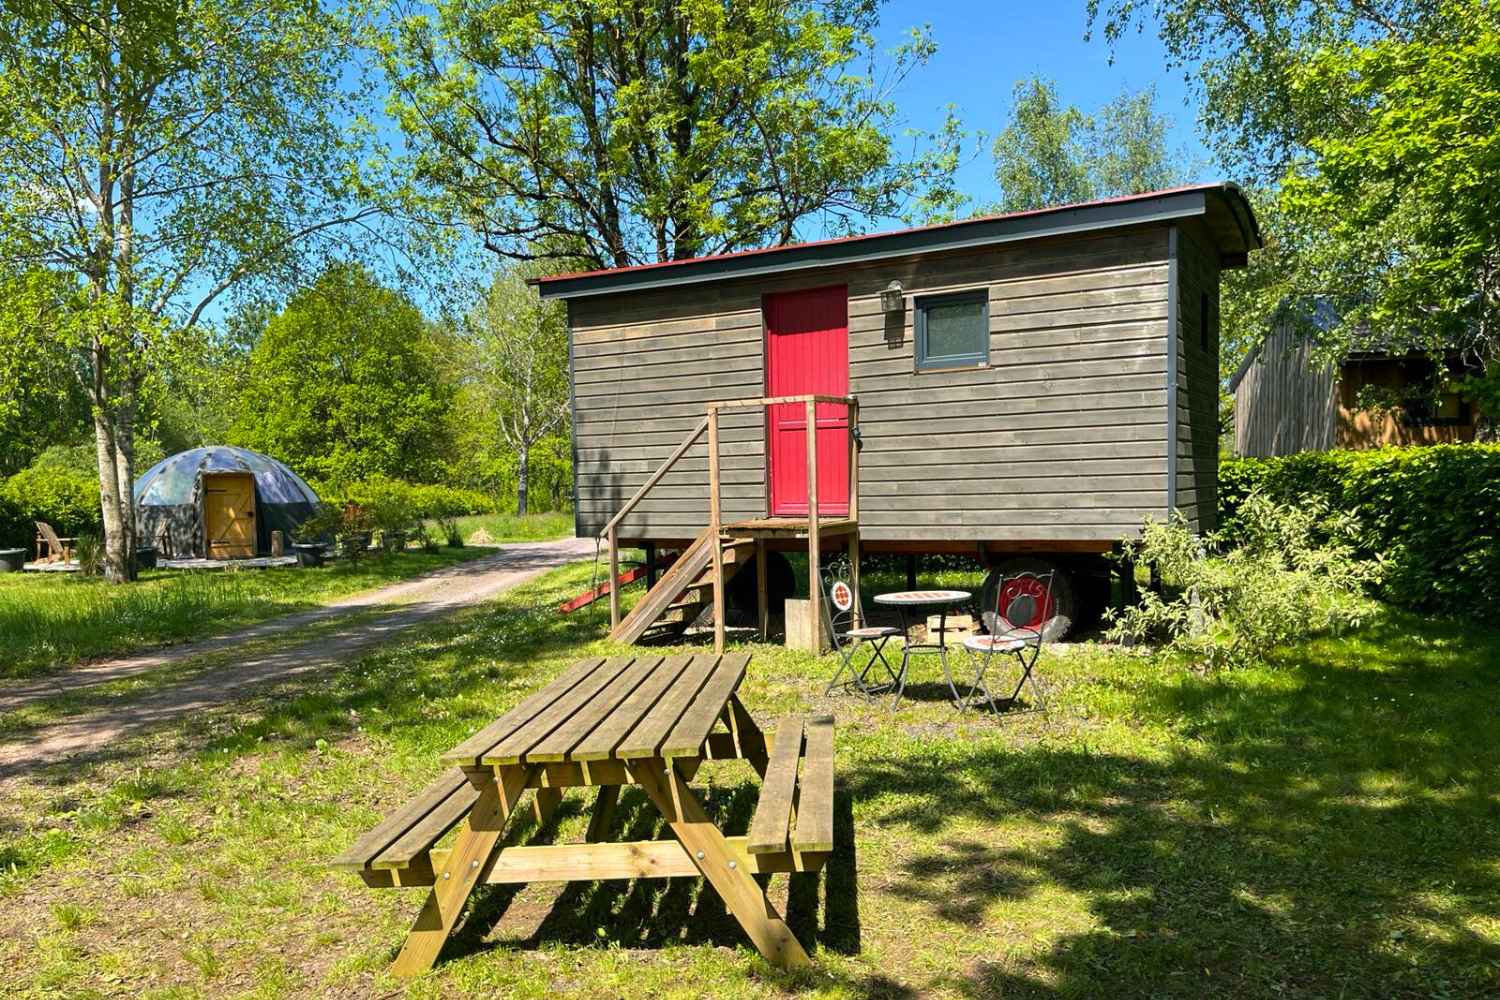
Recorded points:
(842, 595)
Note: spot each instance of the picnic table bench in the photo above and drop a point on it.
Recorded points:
(649, 721)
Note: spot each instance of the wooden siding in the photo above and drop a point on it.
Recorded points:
(1284, 403)
(1062, 435)
(1197, 378)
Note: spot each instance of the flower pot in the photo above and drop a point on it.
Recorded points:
(308, 554)
(145, 557)
(11, 560)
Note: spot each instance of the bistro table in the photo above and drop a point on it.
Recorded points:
(648, 721)
(909, 601)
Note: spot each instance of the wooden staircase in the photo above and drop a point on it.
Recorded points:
(680, 596)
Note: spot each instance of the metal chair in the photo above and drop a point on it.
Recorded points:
(1023, 597)
(840, 604)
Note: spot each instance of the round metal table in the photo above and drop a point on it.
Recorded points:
(908, 601)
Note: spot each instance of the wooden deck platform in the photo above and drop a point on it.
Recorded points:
(789, 527)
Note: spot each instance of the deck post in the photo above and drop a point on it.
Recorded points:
(859, 610)
(814, 581)
(713, 526)
(614, 578)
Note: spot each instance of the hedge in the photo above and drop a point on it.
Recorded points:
(422, 500)
(1432, 514)
(65, 499)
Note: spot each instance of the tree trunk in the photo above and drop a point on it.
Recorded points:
(523, 476)
(118, 561)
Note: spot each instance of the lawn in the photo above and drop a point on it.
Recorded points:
(1327, 824)
(49, 620)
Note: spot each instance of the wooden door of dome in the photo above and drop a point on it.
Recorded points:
(229, 515)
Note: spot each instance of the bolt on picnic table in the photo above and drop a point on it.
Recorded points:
(649, 721)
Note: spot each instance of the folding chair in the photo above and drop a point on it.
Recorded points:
(839, 604)
(1025, 597)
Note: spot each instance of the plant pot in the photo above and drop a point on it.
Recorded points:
(145, 557)
(355, 544)
(308, 554)
(11, 560)
(393, 541)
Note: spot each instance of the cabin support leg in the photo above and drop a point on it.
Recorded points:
(650, 565)
(762, 598)
(911, 572)
(859, 610)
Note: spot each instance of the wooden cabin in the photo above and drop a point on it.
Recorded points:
(1026, 388)
(1286, 401)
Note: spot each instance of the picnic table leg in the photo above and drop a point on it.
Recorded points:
(742, 894)
(748, 736)
(470, 856)
(603, 814)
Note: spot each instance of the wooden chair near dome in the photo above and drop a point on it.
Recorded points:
(58, 549)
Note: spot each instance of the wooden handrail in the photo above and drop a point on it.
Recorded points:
(739, 404)
(656, 477)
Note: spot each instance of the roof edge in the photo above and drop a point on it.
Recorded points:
(1138, 209)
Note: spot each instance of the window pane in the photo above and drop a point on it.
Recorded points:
(955, 329)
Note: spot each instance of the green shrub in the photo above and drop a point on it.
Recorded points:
(1431, 515)
(426, 501)
(64, 498)
(1294, 573)
(16, 529)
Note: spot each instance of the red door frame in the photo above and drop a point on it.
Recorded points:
(790, 419)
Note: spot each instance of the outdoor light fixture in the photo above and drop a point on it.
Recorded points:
(892, 300)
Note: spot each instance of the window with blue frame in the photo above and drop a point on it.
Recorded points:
(952, 331)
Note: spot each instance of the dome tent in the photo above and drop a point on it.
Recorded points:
(219, 502)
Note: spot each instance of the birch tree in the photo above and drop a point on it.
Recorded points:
(156, 155)
(518, 367)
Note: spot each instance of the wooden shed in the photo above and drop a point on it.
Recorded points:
(1024, 385)
(1287, 401)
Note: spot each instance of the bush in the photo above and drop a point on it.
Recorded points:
(16, 529)
(425, 501)
(1294, 573)
(1431, 515)
(66, 499)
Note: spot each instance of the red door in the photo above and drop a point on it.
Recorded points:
(807, 351)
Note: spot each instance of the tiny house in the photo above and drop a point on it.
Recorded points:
(1023, 388)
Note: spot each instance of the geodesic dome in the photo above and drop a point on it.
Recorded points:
(169, 498)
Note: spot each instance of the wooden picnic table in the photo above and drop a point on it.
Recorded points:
(646, 720)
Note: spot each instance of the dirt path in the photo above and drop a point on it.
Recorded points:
(412, 603)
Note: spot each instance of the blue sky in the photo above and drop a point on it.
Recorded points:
(984, 48)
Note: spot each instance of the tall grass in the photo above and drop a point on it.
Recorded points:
(516, 528)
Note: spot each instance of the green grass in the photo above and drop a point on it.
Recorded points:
(1322, 825)
(514, 528)
(49, 620)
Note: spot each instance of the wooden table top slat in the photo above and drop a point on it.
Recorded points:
(470, 753)
(815, 804)
(511, 749)
(387, 831)
(600, 743)
(773, 813)
(687, 736)
(556, 746)
(652, 730)
(420, 838)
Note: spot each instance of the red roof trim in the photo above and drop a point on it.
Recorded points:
(767, 251)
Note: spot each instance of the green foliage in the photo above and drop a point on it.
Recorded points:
(346, 383)
(1054, 155)
(1294, 574)
(1431, 515)
(90, 553)
(16, 529)
(63, 497)
(638, 131)
(1374, 131)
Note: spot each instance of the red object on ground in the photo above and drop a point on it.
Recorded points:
(807, 352)
(623, 580)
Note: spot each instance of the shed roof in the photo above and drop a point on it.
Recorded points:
(1223, 207)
